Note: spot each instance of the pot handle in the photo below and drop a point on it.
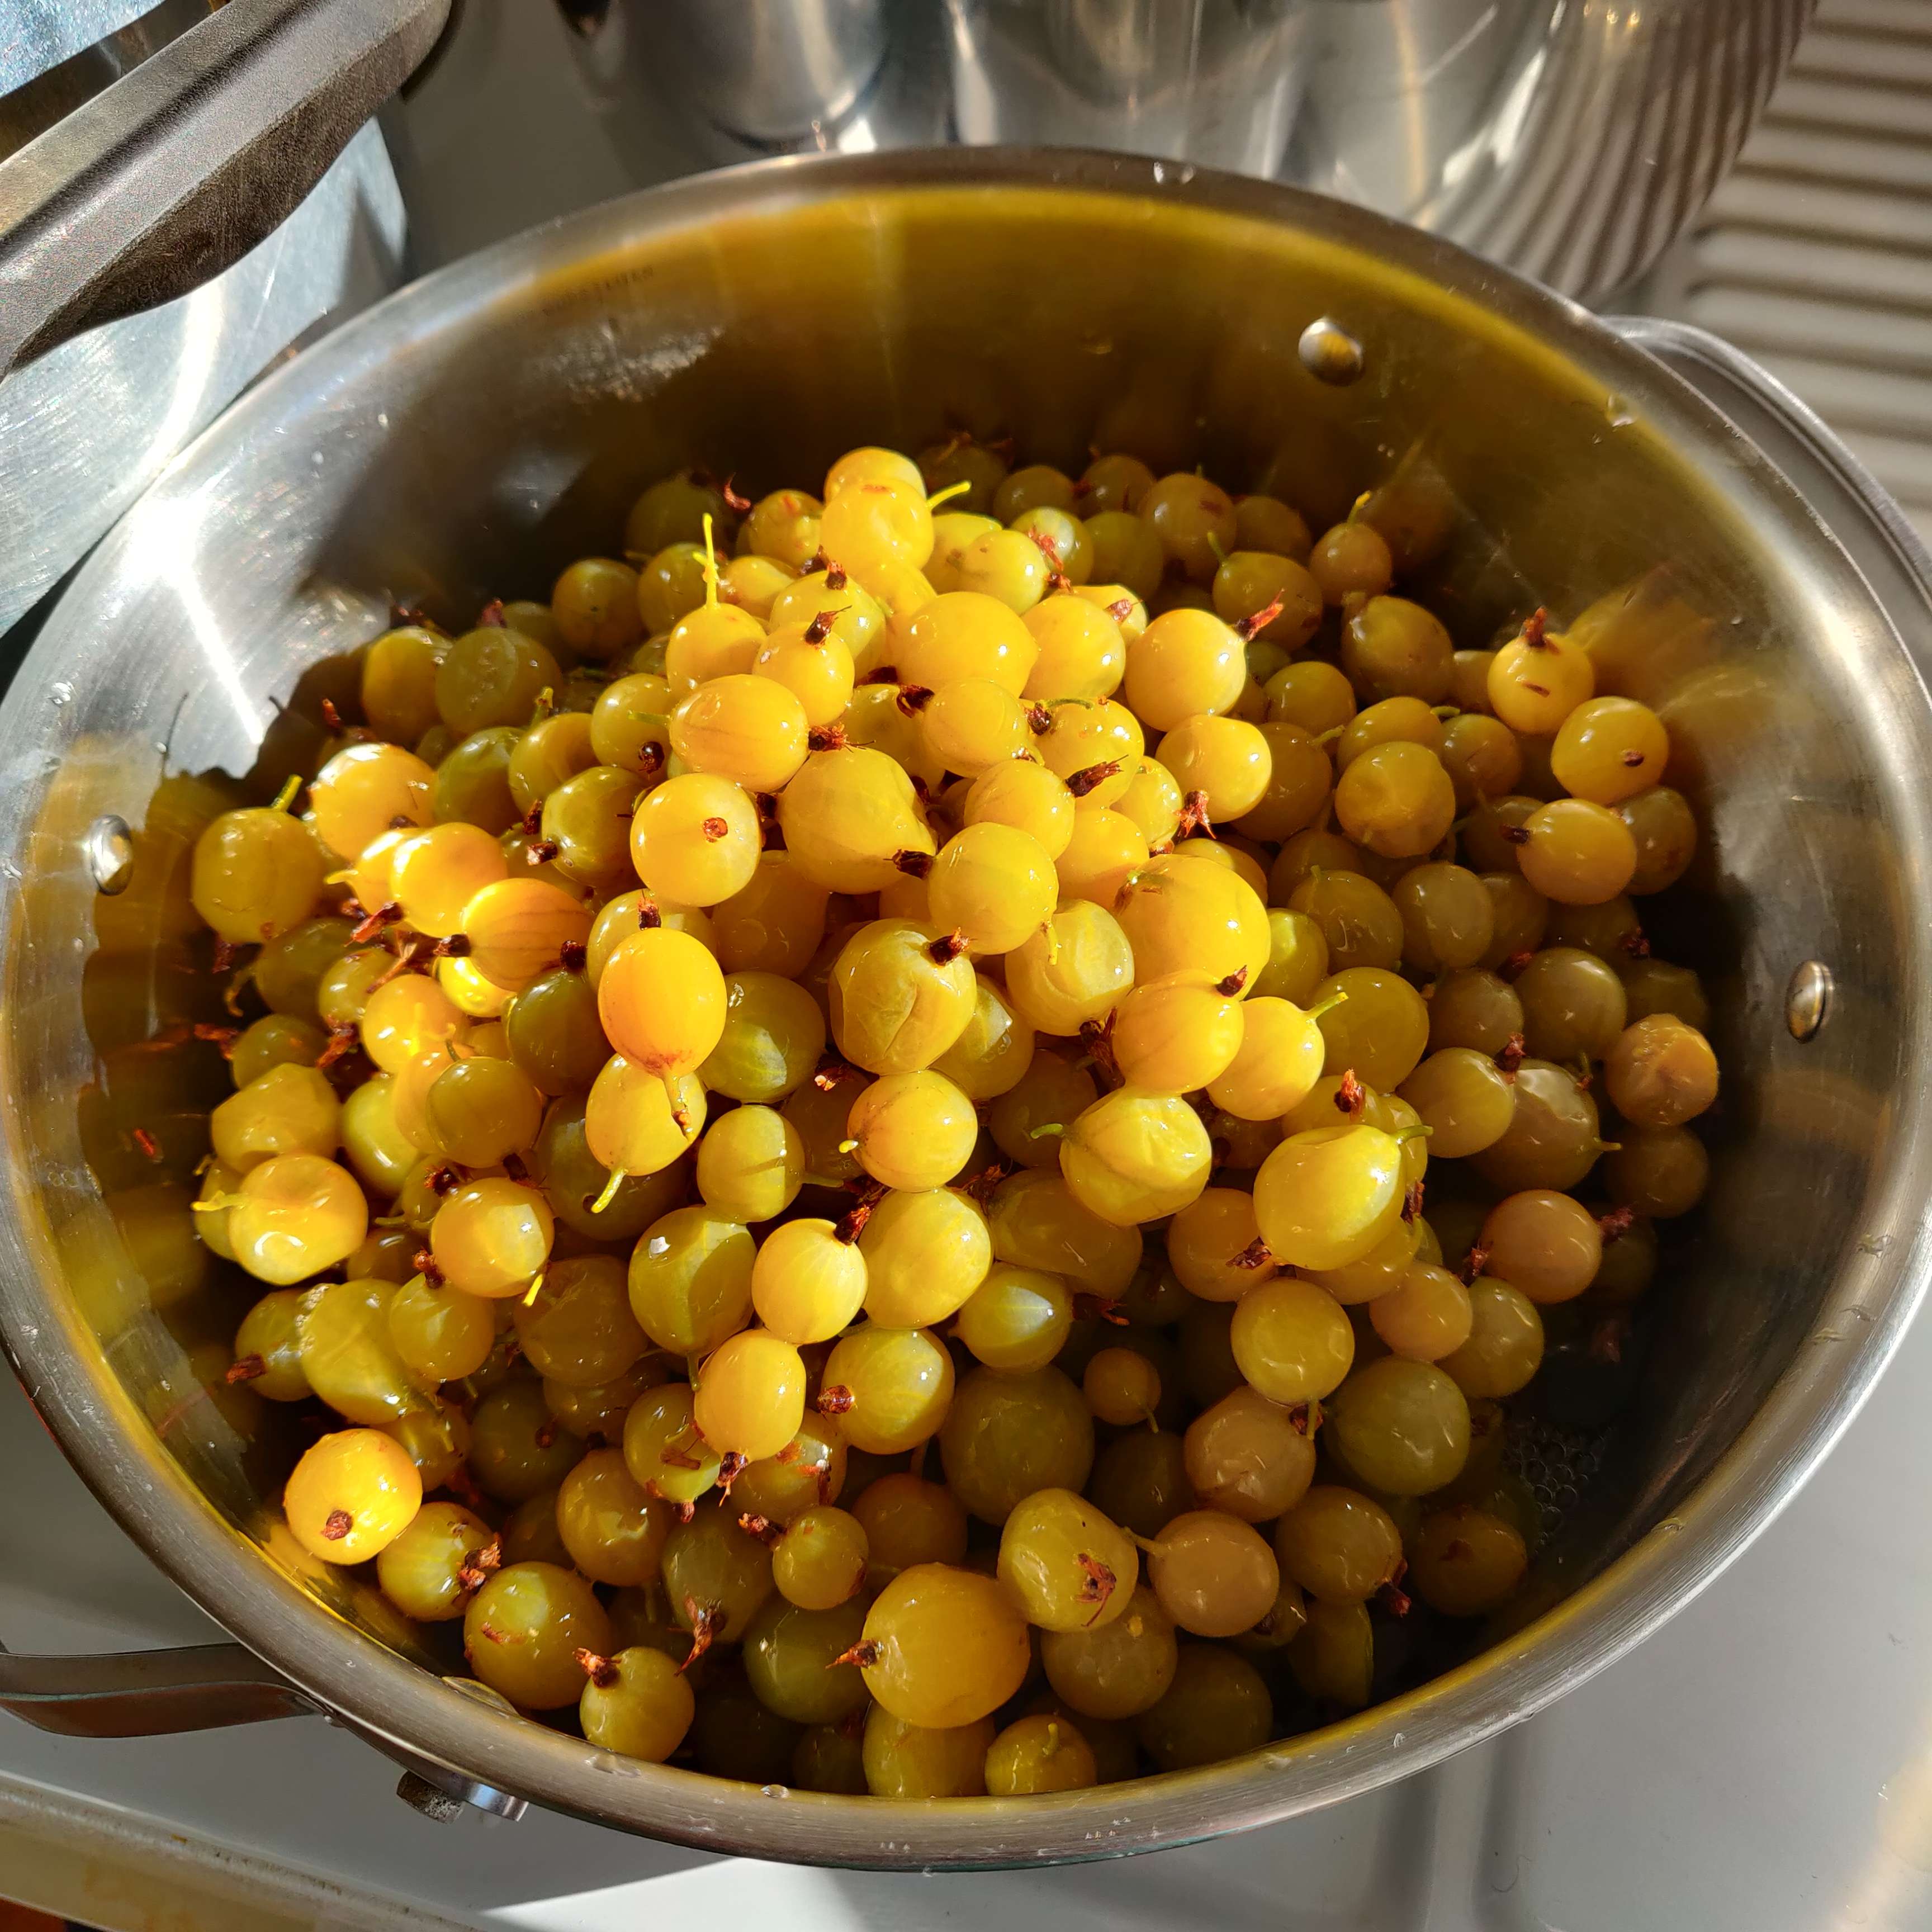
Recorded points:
(1845, 497)
(178, 168)
(141, 1693)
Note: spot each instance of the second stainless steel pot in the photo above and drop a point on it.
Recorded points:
(476, 432)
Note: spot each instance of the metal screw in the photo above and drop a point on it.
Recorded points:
(421, 1795)
(1807, 999)
(1330, 353)
(109, 849)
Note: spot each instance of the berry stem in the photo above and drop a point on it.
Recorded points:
(710, 566)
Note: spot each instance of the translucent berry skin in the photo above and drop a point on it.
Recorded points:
(751, 1395)
(925, 1254)
(809, 1470)
(751, 1164)
(1121, 1386)
(1070, 1567)
(1034, 1221)
(808, 1285)
(967, 633)
(1426, 1316)
(271, 1333)
(695, 838)
(1282, 1055)
(690, 1279)
(1017, 1318)
(490, 1238)
(1181, 913)
(288, 1110)
(639, 1122)
(523, 1630)
(614, 1530)
(994, 883)
(1292, 1341)
(422, 1571)
(1396, 799)
(294, 1215)
(1339, 1545)
(662, 1449)
(643, 1711)
(579, 1330)
(1504, 1349)
(1134, 1155)
(1120, 1668)
(1007, 1435)
(1214, 1575)
(661, 999)
(351, 1495)
(1661, 1072)
(1250, 1456)
(792, 1660)
(915, 1131)
(349, 1356)
(1544, 1244)
(1466, 1562)
(1217, 1707)
(952, 1646)
(1464, 1099)
(820, 1561)
(715, 1573)
(1076, 971)
(773, 1037)
(913, 1762)
(1177, 1034)
(1325, 1197)
(897, 1005)
(1403, 1427)
(900, 1381)
(907, 1520)
(1039, 1754)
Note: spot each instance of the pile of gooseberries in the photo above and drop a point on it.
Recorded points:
(916, 1142)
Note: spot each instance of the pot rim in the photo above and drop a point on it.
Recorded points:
(1877, 1286)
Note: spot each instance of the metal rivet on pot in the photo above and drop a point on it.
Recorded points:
(1330, 353)
(421, 1795)
(110, 847)
(1807, 999)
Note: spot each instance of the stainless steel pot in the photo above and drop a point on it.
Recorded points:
(475, 431)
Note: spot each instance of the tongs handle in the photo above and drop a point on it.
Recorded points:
(178, 168)
(141, 1693)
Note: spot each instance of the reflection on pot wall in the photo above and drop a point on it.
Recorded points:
(1572, 139)
(1569, 139)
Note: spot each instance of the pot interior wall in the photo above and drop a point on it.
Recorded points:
(469, 448)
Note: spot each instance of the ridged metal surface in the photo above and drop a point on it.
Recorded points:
(1572, 140)
(1815, 256)
(1640, 112)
